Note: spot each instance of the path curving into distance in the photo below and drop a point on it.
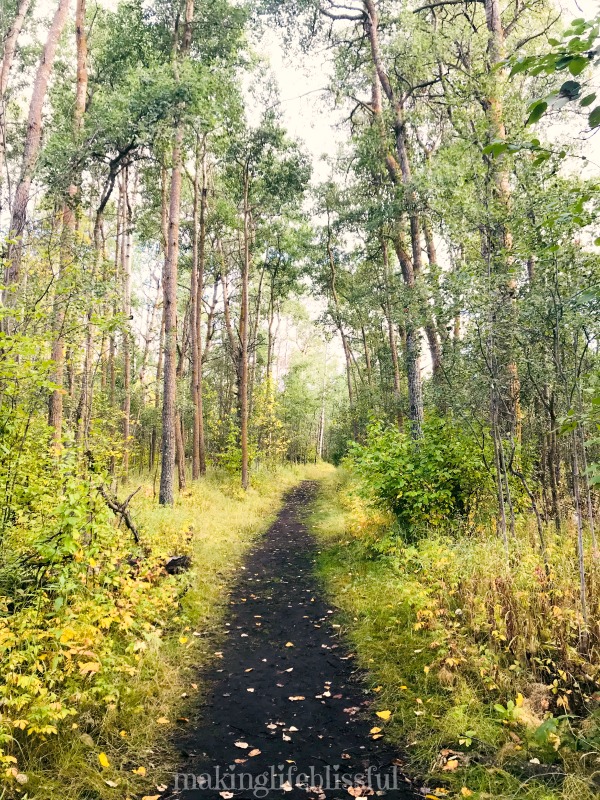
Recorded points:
(286, 708)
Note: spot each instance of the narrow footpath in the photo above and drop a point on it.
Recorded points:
(287, 715)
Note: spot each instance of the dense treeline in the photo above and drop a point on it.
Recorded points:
(161, 235)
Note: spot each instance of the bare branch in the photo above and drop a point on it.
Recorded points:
(441, 3)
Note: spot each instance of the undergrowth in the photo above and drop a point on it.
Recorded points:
(478, 665)
(100, 647)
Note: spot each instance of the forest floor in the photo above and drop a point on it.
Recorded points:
(286, 710)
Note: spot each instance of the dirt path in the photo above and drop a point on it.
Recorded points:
(286, 702)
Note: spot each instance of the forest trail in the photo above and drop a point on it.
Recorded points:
(282, 645)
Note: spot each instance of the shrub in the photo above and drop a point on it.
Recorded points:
(427, 481)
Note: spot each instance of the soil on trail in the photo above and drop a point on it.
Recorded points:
(286, 707)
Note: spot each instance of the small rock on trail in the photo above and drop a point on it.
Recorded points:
(286, 708)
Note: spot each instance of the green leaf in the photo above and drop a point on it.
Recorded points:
(570, 90)
(495, 149)
(536, 112)
(587, 100)
(577, 65)
(594, 117)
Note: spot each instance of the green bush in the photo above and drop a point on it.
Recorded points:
(423, 482)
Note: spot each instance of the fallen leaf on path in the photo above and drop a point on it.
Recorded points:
(296, 697)
(292, 728)
(375, 730)
(287, 738)
(384, 715)
(151, 797)
(226, 795)
(248, 670)
(255, 752)
(289, 644)
(286, 787)
(242, 745)
(162, 787)
(249, 690)
(240, 760)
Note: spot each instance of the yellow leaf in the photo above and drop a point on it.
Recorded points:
(151, 797)
(375, 730)
(162, 721)
(519, 700)
(451, 765)
(139, 771)
(67, 635)
(104, 762)
(89, 668)
(255, 752)
(466, 792)
(289, 644)
(384, 715)
(378, 688)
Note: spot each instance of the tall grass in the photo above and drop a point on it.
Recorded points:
(478, 660)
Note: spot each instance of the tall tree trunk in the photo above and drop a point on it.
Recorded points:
(197, 292)
(399, 170)
(392, 336)
(69, 222)
(167, 492)
(244, 333)
(31, 151)
(584, 634)
(342, 332)
(499, 234)
(10, 46)
(126, 309)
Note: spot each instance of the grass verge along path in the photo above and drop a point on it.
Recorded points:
(466, 733)
(116, 660)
